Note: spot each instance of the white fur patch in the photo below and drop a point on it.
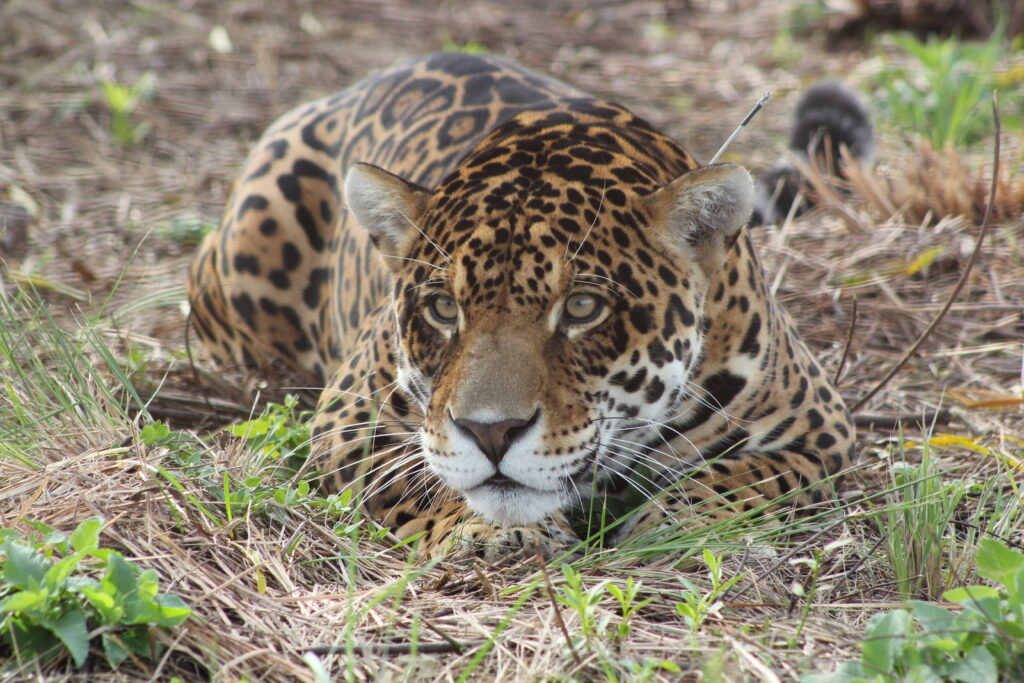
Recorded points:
(542, 479)
(503, 505)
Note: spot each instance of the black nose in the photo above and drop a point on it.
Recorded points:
(494, 438)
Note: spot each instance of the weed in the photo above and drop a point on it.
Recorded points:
(121, 100)
(281, 433)
(698, 605)
(277, 436)
(983, 641)
(58, 593)
(584, 602)
(628, 603)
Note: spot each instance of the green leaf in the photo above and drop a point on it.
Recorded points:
(148, 584)
(119, 646)
(87, 536)
(105, 605)
(120, 576)
(25, 566)
(921, 673)
(885, 637)
(79, 582)
(33, 640)
(988, 606)
(934, 619)
(112, 649)
(50, 536)
(998, 563)
(10, 535)
(73, 632)
(24, 601)
(58, 574)
(251, 428)
(1012, 629)
(145, 607)
(946, 646)
(173, 610)
(138, 641)
(969, 593)
(155, 433)
(979, 666)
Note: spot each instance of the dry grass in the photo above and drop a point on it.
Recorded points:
(103, 231)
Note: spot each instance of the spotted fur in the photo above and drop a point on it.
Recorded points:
(515, 295)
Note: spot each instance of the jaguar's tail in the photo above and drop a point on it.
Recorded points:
(828, 116)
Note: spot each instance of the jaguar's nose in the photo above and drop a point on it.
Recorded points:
(494, 438)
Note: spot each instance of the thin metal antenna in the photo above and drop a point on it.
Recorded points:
(757, 107)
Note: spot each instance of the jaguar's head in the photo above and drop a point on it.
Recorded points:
(544, 306)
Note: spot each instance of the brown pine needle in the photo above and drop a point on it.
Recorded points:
(963, 276)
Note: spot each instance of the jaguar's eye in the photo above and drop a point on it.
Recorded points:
(582, 308)
(444, 309)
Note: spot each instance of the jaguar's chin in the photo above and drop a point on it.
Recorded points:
(502, 500)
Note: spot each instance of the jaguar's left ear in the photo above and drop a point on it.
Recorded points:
(702, 211)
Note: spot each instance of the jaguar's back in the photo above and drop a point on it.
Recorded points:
(266, 286)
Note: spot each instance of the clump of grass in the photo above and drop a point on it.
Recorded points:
(54, 380)
(916, 522)
(934, 514)
(943, 93)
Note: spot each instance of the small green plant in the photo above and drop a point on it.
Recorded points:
(944, 93)
(594, 629)
(583, 601)
(280, 433)
(121, 100)
(187, 231)
(983, 641)
(698, 605)
(628, 603)
(184, 450)
(917, 521)
(57, 594)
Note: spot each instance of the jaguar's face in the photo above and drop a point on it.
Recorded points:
(534, 330)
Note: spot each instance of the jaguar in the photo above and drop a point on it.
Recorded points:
(516, 298)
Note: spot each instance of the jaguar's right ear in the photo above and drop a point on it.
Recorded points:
(701, 212)
(388, 207)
